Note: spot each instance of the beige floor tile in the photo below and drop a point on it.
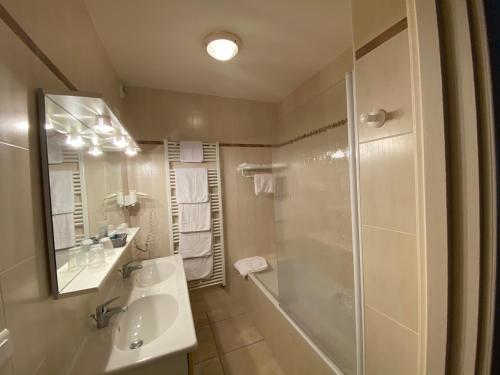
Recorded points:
(256, 359)
(200, 319)
(210, 367)
(206, 345)
(216, 302)
(234, 333)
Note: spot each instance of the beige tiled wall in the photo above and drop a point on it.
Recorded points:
(162, 114)
(159, 114)
(371, 18)
(387, 193)
(45, 332)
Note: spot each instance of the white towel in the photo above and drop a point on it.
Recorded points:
(263, 183)
(198, 268)
(194, 217)
(61, 192)
(250, 265)
(195, 244)
(191, 185)
(63, 226)
(54, 151)
(191, 152)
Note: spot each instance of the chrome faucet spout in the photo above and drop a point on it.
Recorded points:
(103, 313)
(127, 269)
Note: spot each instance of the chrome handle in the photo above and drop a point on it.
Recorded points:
(373, 119)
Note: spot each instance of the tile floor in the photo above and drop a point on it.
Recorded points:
(228, 341)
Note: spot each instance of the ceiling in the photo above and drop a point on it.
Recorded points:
(159, 43)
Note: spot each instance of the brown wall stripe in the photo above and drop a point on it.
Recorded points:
(296, 139)
(382, 38)
(25, 38)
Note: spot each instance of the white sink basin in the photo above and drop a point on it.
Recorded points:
(146, 319)
(157, 328)
(153, 272)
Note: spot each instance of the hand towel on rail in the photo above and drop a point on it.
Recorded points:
(263, 183)
(250, 265)
(63, 226)
(191, 185)
(198, 268)
(191, 152)
(194, 217)
(195, 244)
(61, 192)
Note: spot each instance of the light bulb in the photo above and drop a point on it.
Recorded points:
(75, 140)
(104, 125)
(223, 45)
(131, 151)
(49, 125)
(120, 141)
(95, 150)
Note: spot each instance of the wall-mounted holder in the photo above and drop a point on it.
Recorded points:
(374, 119)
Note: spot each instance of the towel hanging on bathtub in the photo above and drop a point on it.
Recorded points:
(263, 183)
(250, 265)
(191, 185)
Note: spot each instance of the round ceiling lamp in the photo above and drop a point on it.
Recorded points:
(222, 45)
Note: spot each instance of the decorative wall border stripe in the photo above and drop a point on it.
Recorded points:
(293, 140)
(25, 38)
(312, 132)
(382, 38)
(245, 145)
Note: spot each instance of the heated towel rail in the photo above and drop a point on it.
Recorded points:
(211, 161)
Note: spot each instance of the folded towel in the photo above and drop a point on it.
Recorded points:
(54, 151)
(191, 152)
(195, 244)
(194, 217)
(191, 185)
(198, 268)
(63, 226)
(263, 183)
(61, 192)
(250, 265)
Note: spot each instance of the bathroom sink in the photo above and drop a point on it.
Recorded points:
(147, 318)
(156, 330)
(153, 273)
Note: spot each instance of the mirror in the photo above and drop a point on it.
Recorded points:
(84, 149)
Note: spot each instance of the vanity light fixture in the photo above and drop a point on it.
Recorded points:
(75, 140)
(48, 124)
(222, 45)
(131, 151)
(103, 125)
(95, 150)
(120, 141)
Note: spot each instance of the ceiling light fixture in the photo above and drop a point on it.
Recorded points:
(222, 46)
(104, 125)
(75, 140)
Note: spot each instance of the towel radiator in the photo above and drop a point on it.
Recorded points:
(80, 214)
(211, 161)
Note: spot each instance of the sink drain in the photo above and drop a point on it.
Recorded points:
(136, 344)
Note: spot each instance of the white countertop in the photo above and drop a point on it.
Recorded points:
(91, 279)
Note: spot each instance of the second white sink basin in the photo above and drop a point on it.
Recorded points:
(152, 273)
(147, 318)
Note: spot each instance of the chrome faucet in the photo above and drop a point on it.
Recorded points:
(103, 314)
(127, 269)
